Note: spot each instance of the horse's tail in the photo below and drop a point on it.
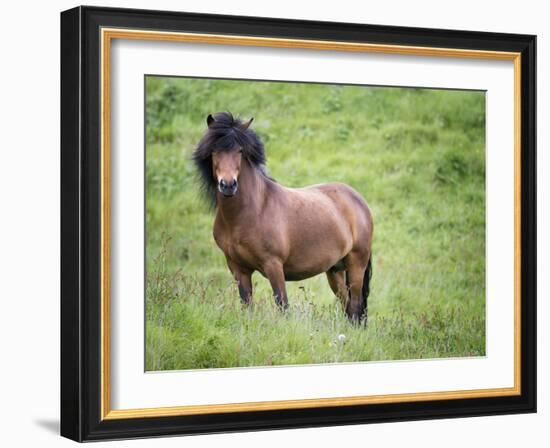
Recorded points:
(366, 288)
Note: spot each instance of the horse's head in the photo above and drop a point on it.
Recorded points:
(226, 166)
(220, 153)
(226, 158)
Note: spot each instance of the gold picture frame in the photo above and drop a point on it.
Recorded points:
(108, 30)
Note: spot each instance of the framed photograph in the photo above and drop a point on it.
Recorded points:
(272, 223)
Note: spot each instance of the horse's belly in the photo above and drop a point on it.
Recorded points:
(294, 277)
(317, 250)
(302, 267)
(302, 274)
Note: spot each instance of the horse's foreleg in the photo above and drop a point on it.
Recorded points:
(243, 277)
(275, 274)
(337, 282)
(245, 287)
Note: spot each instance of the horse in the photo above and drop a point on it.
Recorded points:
(286, 234)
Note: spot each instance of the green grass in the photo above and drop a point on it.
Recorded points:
(416, 155)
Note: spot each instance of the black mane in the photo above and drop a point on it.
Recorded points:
(225, 133)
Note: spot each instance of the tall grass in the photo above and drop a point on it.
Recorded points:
(416, 155)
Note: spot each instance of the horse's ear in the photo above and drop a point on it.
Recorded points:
(244, 126)
(209, 120)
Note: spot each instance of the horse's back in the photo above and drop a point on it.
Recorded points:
(337, 190)
(344, 197)
(353, 207)
(329, 218)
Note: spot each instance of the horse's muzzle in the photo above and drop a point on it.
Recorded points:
(228, 189)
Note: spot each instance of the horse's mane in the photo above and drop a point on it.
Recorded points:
(224, 133)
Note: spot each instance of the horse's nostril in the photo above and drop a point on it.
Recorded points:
(226, 186)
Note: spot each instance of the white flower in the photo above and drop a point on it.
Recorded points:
(341, 337)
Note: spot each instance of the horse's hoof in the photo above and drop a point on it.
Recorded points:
(357, 320)
(283, 306)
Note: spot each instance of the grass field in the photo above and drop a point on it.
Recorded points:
(416, 155)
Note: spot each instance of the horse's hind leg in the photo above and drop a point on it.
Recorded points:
(357, 265)
(337, 282)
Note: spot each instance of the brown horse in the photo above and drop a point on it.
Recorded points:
(283, 233)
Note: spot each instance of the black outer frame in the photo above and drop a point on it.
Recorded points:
(80, 223)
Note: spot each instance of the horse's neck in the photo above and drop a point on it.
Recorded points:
(248, 201)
